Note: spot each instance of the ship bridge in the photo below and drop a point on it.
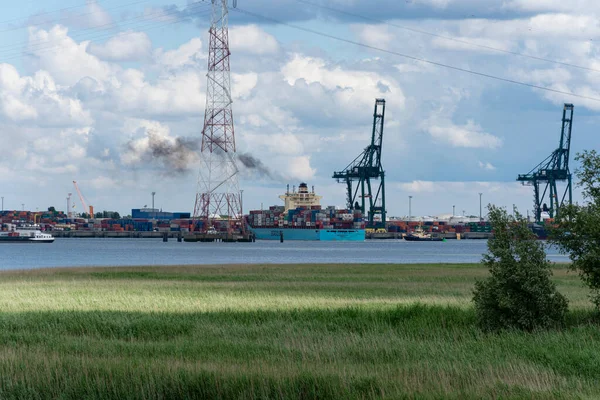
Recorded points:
(300, 198)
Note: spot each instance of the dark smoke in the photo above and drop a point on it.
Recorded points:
(180, 156)
(177, 157)
(254, 164)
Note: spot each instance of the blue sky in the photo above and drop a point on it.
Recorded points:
(85, 87)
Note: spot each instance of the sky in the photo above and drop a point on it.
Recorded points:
(86, 88)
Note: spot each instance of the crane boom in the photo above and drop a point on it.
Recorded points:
(364, 168)
(555, 168)
(85, 206)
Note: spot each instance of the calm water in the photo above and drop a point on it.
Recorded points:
(121, 252)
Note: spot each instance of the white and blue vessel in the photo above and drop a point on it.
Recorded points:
(302, 218)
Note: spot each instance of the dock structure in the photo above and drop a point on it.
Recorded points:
(180, 236)
(219, 237)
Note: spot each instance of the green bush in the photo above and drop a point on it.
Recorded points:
(578, 226)
(519, 292)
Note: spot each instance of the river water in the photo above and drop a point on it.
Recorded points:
(65, 252)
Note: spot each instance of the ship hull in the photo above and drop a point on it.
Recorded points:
(326, 235)
(24, 239)
(411, 238)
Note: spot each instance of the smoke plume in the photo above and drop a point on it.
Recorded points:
(254, 164)
(177, 155)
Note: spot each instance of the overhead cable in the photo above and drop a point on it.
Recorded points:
(439, 64)
(482, 46)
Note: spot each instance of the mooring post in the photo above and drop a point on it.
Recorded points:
(281, 236)
(165, 237)
(179, 238)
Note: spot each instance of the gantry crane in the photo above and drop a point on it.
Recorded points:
(85, 207)
(364, 168)
(555, 168)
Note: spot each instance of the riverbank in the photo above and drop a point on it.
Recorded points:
(279, 331)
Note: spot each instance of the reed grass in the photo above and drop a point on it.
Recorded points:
(280, 331)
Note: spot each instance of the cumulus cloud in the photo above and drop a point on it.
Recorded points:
(95, 16)
(69, 65)
(186, 55)
(38, 99)
(126, 46)
(336, 92)
(299, 168)
(468, 135)
(252, 39)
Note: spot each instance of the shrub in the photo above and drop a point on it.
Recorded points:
(519, 292)
(578, 226)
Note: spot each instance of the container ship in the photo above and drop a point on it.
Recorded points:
(302, 218)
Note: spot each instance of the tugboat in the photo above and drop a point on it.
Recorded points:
(419, 235)
(24, 234)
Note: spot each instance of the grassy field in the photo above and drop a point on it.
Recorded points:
(290, 332)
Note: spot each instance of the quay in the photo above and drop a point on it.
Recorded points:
(180, 236)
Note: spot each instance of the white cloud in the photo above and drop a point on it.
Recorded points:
(242, 84)
(38, 99)
(188, 54)
(468, 135)
(95, 16)
(252, 39)
(299, 168)
(103, 182)
(126, 46)
(552, 5)
(71, 63)
(419, 187)
(343, 90)
(486, 166)
(375, 35)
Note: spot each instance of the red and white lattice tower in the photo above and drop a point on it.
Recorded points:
(218, 191)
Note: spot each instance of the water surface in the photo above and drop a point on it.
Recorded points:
(69, 252)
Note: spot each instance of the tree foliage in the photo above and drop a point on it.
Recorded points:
(577, 231)
(519, 292)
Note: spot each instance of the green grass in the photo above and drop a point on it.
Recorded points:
(280, 331)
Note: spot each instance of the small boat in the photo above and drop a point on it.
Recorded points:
(24, 234)
(419, 235)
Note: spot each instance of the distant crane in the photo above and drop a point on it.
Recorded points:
(69, 212)
(363, 169)
(555, 168)
(85, 207)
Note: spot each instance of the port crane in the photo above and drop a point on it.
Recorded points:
(85, 207)
(365, 168)
(555, 168)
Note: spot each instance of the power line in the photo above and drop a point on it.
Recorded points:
(482, 74)
(9, 51)
(67, 17)
(79, 32)
(514, 53)
(107, 35)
